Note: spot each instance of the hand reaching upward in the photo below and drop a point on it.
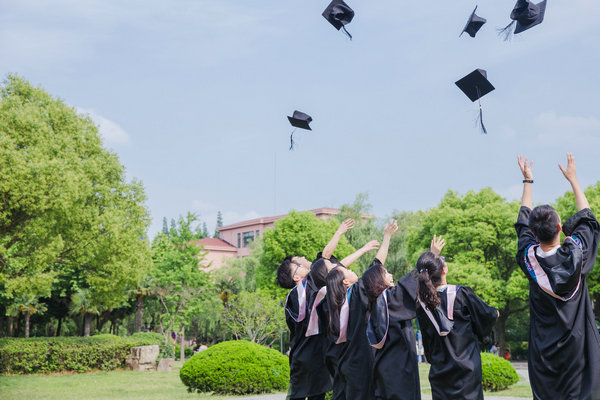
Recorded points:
(437, 244)
(525, 168)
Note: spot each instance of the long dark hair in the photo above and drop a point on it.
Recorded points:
(318, 271)
(429, 267)
(374, 280)
(336, 294)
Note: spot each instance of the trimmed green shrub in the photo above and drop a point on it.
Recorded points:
(80, 354)
(497, 373)
(236, 367)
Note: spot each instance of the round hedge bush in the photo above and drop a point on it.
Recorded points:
(497, 373)
(236, 367)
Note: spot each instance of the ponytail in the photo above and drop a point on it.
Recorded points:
(429, 276)
(336, 295)
(374, 280)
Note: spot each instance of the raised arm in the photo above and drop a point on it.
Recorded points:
(344, 227)
(437, 244)
(389, 230)
(571, 174)
(349, 260)
(527, 199)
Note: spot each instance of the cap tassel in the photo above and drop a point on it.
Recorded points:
(292, 139)
(480, 118)
(507, 31)
(347, 33)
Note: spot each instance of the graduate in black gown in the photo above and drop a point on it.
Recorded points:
(349, 355)
(564, 345)
(309, 378)
(452, 320)
(389, 329)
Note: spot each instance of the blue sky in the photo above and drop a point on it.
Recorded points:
(193, 97)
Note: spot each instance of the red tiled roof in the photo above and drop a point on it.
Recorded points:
(268, 220)
(212, 242)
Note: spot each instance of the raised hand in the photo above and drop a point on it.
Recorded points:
(346, 226)
(525, 168)
(372, 245)
(437, 244)
(390, 228)
(570, 173)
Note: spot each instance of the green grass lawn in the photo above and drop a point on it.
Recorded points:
(144, 385)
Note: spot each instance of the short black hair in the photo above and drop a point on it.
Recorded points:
(543, 222)
(284, 274)
(318, 271)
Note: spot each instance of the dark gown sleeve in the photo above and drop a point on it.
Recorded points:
(525, 236)
(291, 308)
(584, 226)
(483, 317)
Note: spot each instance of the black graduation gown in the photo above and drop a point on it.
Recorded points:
(395, 370)
(332, 353)
(308, 373)
(455, 359)
(356, 356)
(564, 345)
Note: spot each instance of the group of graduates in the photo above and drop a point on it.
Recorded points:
(355, 335)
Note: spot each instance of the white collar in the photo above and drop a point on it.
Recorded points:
(441, 288)
(545, 254)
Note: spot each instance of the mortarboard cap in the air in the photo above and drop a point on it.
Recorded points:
(298, 120)
(475, 86)
(474, 23)
(338, 13)
(525, 15)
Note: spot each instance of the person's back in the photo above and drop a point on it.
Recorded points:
(564, 345)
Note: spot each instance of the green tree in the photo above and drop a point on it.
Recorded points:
(165, 227)
(298, 234)
(83, 304)
(480, 250)
(205, 233)
(255, 316)
(68, 215)
(219, 224)
(176, 280)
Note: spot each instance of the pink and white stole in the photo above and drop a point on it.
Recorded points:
(450, 299)
(344, 316)
(301, 293)
(539, 275)
(313, 321)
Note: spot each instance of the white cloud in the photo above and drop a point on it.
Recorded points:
(110, 131)
(555, 129)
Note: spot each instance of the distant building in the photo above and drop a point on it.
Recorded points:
(235, 238)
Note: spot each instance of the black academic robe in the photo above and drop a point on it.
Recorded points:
(564, 345)
(332, 353)
(395, 370)
(308, 373)
(356, 356)
(455, 359)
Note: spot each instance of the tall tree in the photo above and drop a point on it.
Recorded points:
(67, 210)
(205, 233)
(219, 224)
(165, 227)
(176, 280)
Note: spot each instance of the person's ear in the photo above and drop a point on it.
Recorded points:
(559, 228)
(296, 278)
(445, 270)
(346, 282)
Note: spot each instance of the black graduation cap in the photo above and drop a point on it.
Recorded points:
(474, 23)
(525, 14)
(475, 86)
(338, 13)
(298, 120)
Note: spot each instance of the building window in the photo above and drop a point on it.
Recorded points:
(247, 237)
(257, 234)
(239, 240)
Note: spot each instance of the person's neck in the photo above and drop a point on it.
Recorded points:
(550, 245)
(443, 280)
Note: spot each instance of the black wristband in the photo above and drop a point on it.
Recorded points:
(527, 180)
